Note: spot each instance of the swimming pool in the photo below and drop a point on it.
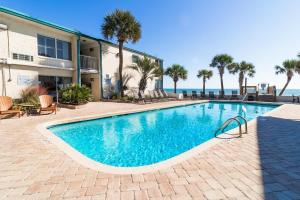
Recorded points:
(149, 137)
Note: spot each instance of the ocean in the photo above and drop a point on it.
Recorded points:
(287, 92)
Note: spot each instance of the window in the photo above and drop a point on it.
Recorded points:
(63, 50)
(49, 82)
(135, 58)
(46, 46)
(52, 48)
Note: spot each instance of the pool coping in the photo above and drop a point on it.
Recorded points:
(95, 165)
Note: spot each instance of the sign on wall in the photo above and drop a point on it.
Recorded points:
(25, 80)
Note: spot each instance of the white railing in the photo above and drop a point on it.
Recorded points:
(88, 63)
(53, 62)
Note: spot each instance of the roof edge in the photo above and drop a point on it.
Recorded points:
(68, 30)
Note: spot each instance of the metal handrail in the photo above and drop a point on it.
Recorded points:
(227, 122)
(245, 122)
(233, 119)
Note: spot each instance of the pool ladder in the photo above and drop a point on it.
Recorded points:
(234, 119)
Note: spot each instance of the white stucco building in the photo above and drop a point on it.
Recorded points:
(35, 52)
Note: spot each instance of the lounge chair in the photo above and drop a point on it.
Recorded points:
(221, 95)
(184, 93)
(296, 99)
(167, 96)
(234, 94)
(211, 95)
(160, 95)
(6, 106)
(202, 94)
(152, 96)
(143, 97)
(136, 97)
(194, 95)
(47, 104)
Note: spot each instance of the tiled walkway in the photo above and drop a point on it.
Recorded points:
(264, 164)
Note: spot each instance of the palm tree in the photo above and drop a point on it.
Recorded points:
(243, 69)
(124, 27)
(176, 72)
(298, 66)
(221, 61)
(288, 68)
(148, 70)
(125, 80)
(205, 74)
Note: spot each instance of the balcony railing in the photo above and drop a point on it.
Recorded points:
(88, 63)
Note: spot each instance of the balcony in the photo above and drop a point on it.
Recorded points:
(88, 63)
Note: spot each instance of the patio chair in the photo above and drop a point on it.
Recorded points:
(211, 95)
(296, 99)
(234, 94)
(47, 104)
(6, 106)
(167, 96)
(194, 95)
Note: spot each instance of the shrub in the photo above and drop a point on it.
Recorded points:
(31, 95)
(75, 95)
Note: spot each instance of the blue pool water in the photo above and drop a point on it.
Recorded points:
(150, 137)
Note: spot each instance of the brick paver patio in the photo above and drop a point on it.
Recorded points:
(264, 164)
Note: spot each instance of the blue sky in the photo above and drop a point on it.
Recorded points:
(192, 32)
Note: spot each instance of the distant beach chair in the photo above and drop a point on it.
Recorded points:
(167, 96)
(161, 95)
(211, 95)
(234, 94)
(296, 99)
(152, 96)
(194, 95)
(184, 93)
(136, 97)
(202, 94)
(157, 96)
(221, 95)
(143, 97)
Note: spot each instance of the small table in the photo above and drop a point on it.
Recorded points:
(28, 108)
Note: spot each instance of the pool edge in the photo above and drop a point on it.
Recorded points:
(94, 165)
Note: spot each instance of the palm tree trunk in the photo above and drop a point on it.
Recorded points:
(241, 81)
(175, 86)
(283, 89)
(121, 67)
(222, 85)
(203, 90)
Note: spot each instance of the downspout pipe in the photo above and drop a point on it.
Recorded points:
(78, 60)
(100, 71)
